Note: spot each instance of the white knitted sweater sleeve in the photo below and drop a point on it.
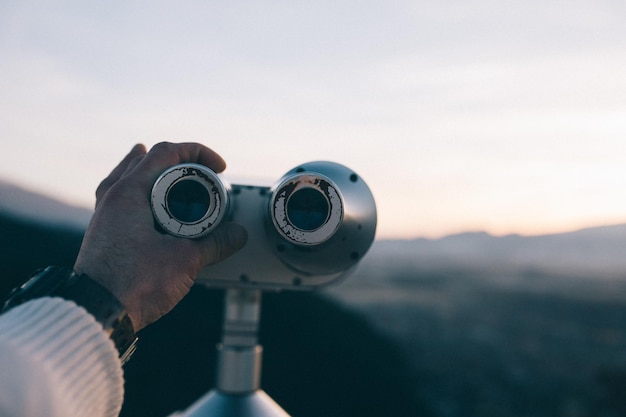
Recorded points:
(55, 360)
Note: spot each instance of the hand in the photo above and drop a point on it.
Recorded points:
(147, 270)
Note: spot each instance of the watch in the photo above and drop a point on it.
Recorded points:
(56, 281)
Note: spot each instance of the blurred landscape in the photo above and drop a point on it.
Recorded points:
(504, 326)
(466, 325)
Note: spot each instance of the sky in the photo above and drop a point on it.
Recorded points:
(498, 116)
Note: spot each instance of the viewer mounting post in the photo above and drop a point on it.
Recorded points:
(238, 392)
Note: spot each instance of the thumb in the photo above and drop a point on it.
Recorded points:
(222, 242)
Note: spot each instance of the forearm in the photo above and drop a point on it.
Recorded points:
(60, 361)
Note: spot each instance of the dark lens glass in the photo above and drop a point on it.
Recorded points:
(188, 201)
(307, 209)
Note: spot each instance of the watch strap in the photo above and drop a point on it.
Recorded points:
(55, 281)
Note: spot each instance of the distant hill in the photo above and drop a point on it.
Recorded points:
(598, 252)
(18, 202)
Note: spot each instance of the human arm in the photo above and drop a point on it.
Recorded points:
(56, 361)
(148, 271)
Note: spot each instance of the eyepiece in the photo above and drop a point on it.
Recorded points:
(306, 209)
(189, 200)
(323, 218)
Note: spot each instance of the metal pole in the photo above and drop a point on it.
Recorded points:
(238, 392)
(239, 355)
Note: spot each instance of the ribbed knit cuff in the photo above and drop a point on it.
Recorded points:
(72, 347)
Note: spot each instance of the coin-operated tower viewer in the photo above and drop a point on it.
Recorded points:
(307, 231)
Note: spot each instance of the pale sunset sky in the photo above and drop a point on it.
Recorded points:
(503, 116)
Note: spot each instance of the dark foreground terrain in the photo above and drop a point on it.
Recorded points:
(401, 337)
(499, 342)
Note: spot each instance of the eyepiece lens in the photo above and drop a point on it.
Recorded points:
(308, 209)
(188, 201)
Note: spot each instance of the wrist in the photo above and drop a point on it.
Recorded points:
(93, 297)
(102, 278)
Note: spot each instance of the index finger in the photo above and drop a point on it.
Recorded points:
(119, 170)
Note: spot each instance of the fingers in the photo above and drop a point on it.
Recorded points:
(224, 241)
(164, 155)
(171, 154)
(129, 162)
(148, 166)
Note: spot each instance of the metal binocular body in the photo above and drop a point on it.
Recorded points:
(306, 231)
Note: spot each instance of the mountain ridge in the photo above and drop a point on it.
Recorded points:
(597, 251)
(21, 203)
